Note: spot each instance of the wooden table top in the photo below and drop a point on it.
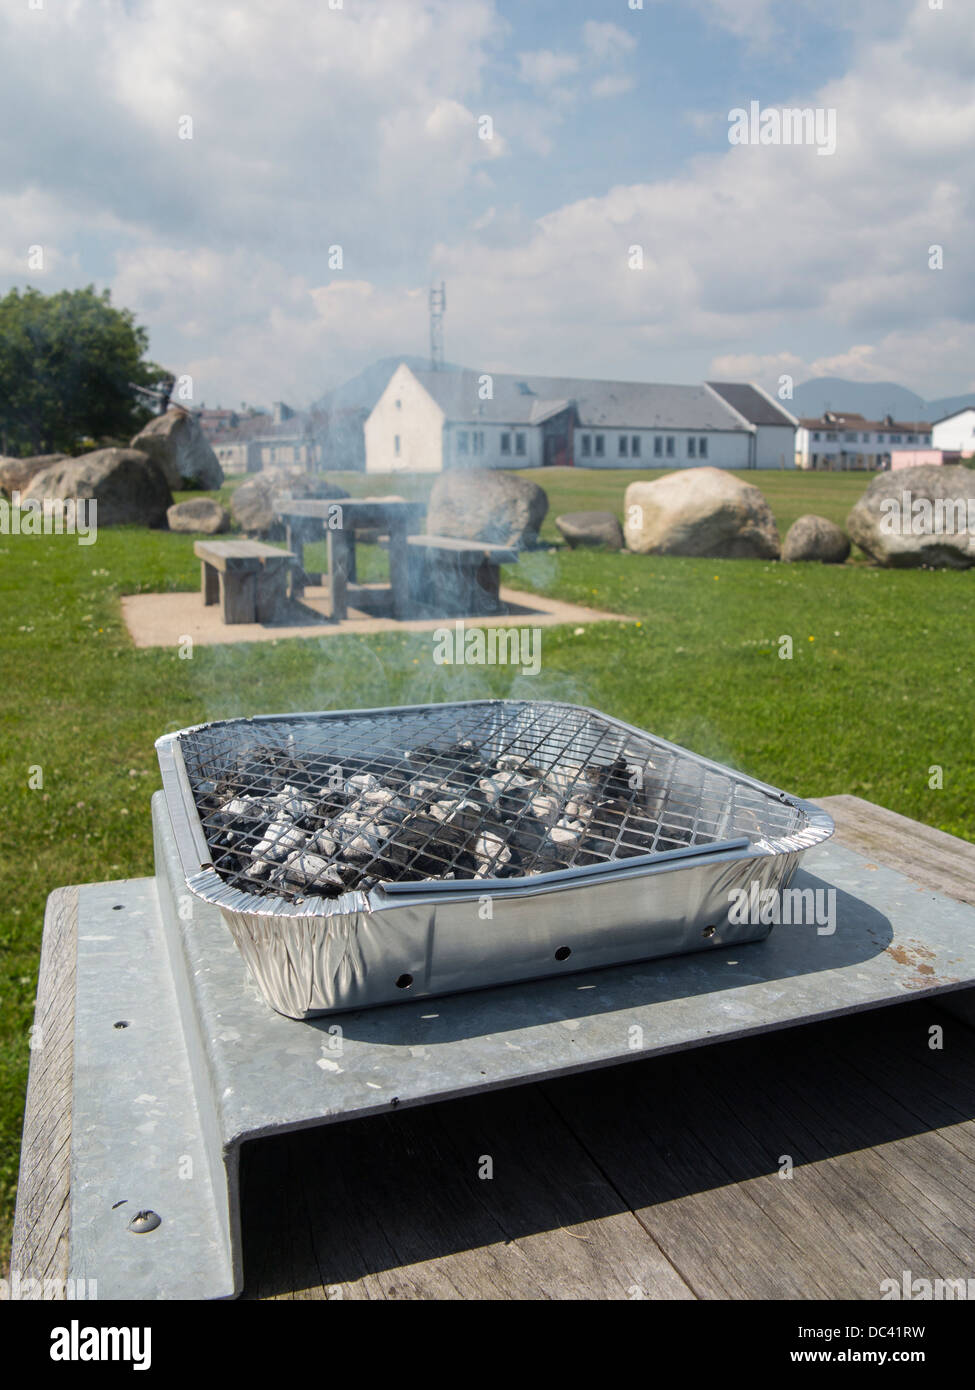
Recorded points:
(355, 511)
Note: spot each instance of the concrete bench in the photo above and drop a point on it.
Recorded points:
(456, 578)
(248, 578)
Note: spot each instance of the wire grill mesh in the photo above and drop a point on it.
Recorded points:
(460, 811)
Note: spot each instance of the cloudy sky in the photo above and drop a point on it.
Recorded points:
(359, 124)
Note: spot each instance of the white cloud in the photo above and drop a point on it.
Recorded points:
(545, 68)
(606, 42)
(611, 86)
(360, 128)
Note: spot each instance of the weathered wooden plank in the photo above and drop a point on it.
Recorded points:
(928, 856)
(395, 1207)
(40, 1239)
(239, 554)
(693, 1142)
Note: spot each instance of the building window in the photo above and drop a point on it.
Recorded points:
(505, 442)
(912, 439)
(520, 443)
(866, 439)
(396, 445)
(830, 434)
(850, 438)
(477, 441)
(895, 439)
(600, 445)
(815, 434)
(623, 446)
(635, 446)
(399, 405)
(658, 447)
(586, 445)
(691, 447)
(670, 446)
(463, 443)
(702, 446)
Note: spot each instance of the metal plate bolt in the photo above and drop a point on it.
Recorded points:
(144, 1221)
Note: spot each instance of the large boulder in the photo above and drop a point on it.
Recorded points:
(200, 515)
(126, 484)
(700, 511)
(177, 444)
(918, 516)
(816, 538)
(16, 474)
(484, 504)
(252, 504)
(591, 528)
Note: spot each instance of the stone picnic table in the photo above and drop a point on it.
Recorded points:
(341, 518)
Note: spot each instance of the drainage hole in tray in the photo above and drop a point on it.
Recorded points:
(404, 981)
(122, 1023)
(563, 953)
(709, 931)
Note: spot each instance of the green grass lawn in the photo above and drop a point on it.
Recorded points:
(880, 688)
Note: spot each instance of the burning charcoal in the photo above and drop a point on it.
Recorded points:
(242, 808)
(259, 868)
(492, 848)
(323, 843)
(529, 835)
(510, 762)
(367, 844)
(291, 804)
(509, 787)
(423, 789)
(311, 871)
(566, 834)
(280, 839)
(545, 807)
(363, 782)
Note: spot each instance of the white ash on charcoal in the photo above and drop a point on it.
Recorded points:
(290, 825)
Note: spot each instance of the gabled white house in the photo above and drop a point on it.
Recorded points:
(427, 421)
(955, 433)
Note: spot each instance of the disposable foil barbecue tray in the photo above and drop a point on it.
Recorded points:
(362, 857)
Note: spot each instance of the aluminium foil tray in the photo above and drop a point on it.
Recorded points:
(718, 833)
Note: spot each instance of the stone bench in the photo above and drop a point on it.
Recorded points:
(456, 578)
(248, 578)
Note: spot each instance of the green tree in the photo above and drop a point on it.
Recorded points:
(68, 362)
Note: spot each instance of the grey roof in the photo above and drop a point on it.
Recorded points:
(750, 402)
(527, 400)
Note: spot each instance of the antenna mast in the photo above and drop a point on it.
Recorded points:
(438, 304)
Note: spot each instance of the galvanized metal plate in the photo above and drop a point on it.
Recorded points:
(255, 1073)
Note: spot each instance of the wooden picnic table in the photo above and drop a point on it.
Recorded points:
(655, 1179)
(340, 518)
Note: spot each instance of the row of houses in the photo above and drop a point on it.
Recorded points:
(847, 441)
(313, 440)
(425, 422)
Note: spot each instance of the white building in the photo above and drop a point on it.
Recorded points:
(427, 421)
(846, 441)
(955, 433)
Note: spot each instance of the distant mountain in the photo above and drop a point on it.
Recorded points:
(872, 399)
(363, 391)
